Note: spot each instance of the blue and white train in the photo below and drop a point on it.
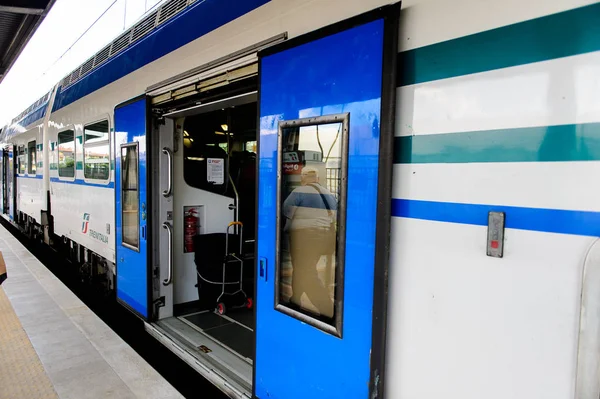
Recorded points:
(413, 186)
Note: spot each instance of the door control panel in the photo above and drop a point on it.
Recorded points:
(495, 239)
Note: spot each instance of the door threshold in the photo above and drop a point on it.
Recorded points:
(218, 365)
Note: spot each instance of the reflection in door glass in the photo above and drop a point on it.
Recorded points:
(130, 196)
(311, 162)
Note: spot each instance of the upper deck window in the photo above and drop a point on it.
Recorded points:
(96, 151)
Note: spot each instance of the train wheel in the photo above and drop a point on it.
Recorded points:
(221, 309)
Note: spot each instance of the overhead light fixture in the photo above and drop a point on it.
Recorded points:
(224, 127)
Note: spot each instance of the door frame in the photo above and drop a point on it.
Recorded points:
(391, 15)
(163, 132)
(117, 147)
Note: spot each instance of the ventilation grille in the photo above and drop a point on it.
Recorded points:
(41, 101)
(171, 8)
(75, 75)
(120, 43)
(165, 12)
(101, 56)
(144, 27)
(87, 66)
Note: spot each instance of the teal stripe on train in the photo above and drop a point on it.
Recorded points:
(558, 35)
(532, 144)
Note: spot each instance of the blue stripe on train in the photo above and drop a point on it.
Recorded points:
(82, 182)
(583, 223)
(79, 182)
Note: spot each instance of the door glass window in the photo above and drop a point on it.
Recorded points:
(31, 161)
(311, 220)
(96, 151)
(22, 160)
(66, 153)
(130, 196)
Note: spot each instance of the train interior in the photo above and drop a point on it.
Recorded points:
(214, 220)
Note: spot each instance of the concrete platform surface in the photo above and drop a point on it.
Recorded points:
(53, 346)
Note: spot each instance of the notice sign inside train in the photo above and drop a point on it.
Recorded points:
(215, 170)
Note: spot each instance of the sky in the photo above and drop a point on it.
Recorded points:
(53, 52)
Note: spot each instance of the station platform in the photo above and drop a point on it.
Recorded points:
(53, 346)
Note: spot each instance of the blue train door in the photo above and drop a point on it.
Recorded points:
(133, 285)
(326, 132)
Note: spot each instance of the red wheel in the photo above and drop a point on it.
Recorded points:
(221, 308)
(249, 303)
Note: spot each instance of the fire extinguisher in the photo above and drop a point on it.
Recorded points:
(191, 223)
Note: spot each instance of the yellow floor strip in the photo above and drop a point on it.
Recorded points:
(22, 374)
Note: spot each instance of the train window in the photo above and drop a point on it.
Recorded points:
(66, 153)
(96, 151)
(31, 158)
(311, 220)
(21, 160)
(130, 196)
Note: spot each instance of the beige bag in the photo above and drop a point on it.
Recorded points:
(2, 269)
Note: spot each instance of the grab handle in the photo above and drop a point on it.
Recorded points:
(169, 229)
(169, 190)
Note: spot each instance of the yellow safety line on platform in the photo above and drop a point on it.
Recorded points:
(22, 375)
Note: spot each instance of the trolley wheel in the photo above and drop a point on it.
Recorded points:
(221, 309)
(249, 303)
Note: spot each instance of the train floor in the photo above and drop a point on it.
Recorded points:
(53, 346)
(234, 330)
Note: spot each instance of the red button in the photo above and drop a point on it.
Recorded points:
(495, 244)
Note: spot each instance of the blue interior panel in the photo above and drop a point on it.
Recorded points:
(335, 74)
(132, 266)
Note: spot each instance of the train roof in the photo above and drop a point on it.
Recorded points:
(171, 26)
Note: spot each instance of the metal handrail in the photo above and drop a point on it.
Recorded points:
(169, 279)
(166, 193)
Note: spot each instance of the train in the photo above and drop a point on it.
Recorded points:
(336, 199)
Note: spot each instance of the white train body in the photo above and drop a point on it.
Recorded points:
(514, 130)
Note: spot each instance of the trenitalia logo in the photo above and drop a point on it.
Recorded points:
(86, 222)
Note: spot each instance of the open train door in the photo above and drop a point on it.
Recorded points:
(327, 104)
(133, 276)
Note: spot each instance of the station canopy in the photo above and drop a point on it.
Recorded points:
(19, 20)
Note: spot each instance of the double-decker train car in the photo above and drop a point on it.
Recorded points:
(336, 199)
